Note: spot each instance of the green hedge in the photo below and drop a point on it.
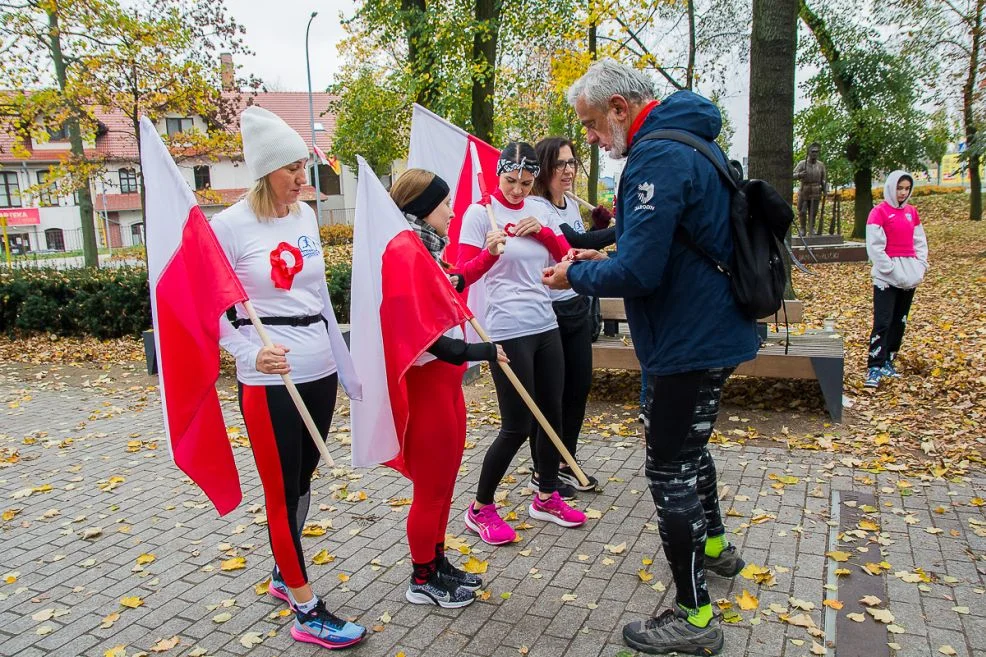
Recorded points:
(105, 303)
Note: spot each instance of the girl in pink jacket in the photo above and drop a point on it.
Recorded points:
(898, 248)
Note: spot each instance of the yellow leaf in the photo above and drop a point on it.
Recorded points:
(977, 501)
(593, 514)
(323, 557)
(947, 650)
(647, 561)
(9, 514)
(145, 559)
(260, 588)
(616, 549)
(475, 566)
(313, 530)
(164, 645)
(746, 601)
(882, 615)
(343, 577)
(233, 563)
(644, 575)
(399, 501)
(870, 601)
(838, 555)
(832, 603)
(131, 601)
(842, 572)
(873, 568)
(857, 617)
(868, 525)
(116, 651)
(109, 619)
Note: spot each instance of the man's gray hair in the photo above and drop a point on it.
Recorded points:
(608, 77)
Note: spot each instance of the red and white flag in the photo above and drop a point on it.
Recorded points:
(402, 302)
(444, 149)
(191, 284)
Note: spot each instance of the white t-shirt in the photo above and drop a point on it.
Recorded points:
(554, 218)
(518, 303)
(248, 244)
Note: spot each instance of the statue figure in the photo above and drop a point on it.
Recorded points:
(811, 174)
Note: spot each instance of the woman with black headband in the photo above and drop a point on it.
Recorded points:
(519, 317)
(436, 424)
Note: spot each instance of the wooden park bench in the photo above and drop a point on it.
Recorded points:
(818, 355)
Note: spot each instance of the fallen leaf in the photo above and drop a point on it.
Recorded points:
(116, 651)
(832, 603)
(233, 563)
(323, 557)
(251, 639)
(882, 615)
(746, 601)
(870, 601)
(593, 514)
(838, 555)
(817, 648)
(644, 575)
(222, 618)
(43, 630)
(859, 618)
(960, 610)
(475, 566)
(260, 588)
(568, 597)
(145, 559)
(165, 645)
(109, 619)
(343, 577)
(616, 549)
(132, 602)
(947, 650)
(804, 605)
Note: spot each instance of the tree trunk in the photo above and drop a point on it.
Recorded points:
(420, 50)
(487, 13)
(690, 71)
(969, 118)
(862, 177)
(90, 250)
(773, 44)
(593, 192)
(773, 49)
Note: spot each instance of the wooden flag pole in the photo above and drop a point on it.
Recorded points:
(575, 198)
(485, 197)
(292, 390)
(543, 421)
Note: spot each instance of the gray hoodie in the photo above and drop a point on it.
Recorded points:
(905, 272)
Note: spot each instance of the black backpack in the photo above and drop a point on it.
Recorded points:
(759, 220)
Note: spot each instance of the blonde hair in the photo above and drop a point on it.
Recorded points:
(410, 185)
(260, 197)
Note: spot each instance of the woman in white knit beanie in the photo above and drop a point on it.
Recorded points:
(273, 244)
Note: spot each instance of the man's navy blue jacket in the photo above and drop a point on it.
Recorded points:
(680, 309)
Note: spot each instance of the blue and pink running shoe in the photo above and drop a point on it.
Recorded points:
(325, 629)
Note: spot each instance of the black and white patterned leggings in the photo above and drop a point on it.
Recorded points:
(681, 410)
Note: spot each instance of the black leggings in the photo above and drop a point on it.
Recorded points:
(286, 457)
(890, 309)
(537, 361)
(681, 411)
(575, 327)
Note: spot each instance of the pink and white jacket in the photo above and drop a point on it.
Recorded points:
(895, 240)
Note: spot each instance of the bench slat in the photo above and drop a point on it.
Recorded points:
(612, 309)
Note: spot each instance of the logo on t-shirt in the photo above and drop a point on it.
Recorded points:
(308, 247)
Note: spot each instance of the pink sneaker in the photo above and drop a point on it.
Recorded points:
(554, 509)
(489, 525)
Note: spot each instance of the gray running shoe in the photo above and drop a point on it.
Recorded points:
(671, 632)
(727, 564)
(440, 590)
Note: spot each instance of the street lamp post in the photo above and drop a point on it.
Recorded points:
(311, 117)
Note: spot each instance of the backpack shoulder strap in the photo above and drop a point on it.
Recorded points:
(701, 146)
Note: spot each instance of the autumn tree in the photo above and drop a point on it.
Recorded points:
(946, 40)
(871, 91)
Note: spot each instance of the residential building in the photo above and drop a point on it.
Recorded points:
(51, 222)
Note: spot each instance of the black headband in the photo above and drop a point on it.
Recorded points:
(429, 199)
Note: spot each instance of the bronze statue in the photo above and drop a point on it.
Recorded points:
(811, 174)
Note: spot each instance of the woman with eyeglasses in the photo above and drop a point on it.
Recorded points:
(519, 317)
(556, 155)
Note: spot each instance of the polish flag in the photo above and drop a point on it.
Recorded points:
(402, 302)
(444, 149)
(192, 285)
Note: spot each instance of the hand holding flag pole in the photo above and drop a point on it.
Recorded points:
(543, 421)
(484, 194)
(292, 390)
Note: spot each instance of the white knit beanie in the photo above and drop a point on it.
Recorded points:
(268, 142)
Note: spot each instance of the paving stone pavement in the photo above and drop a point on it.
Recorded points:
(84, 467)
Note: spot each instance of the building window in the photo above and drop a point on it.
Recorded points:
(202, 177)
(10, 190)
(328, 180)
(46, 196)
(128, 181)
(178, 126)
(137, 234)
(60, 134)
(55, 239)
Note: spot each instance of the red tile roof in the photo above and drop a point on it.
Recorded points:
(119, 143)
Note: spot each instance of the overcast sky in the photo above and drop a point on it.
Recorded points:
(276, 32)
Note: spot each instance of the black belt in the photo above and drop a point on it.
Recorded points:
(305, 320)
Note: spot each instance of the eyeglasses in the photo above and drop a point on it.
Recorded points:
(560, 165)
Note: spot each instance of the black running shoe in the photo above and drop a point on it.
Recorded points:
(465, 580)
(671, 632)
(440, 590)
(564, 489)
(567, 475)
(728, 564)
